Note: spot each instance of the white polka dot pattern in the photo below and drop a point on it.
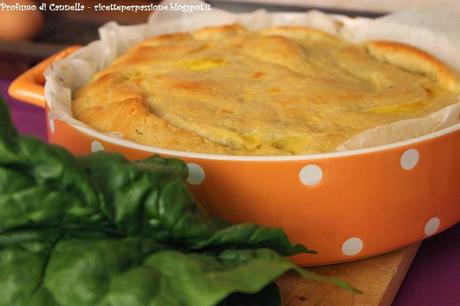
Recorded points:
(432, 226)
(311, 175)
(196, 174)
(96, 146)
(352, 246)
(409, 159)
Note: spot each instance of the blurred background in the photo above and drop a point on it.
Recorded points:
(29, 36)
(352, 6)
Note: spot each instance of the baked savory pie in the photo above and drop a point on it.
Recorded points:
(284, 90)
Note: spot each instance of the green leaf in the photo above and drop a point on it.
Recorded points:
(8, 136)
(102, 230)
(147, 197)
(251, 236)
(268, 296)
(135, 287)
(82, 264)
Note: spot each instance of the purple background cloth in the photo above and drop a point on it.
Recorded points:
(433, 279)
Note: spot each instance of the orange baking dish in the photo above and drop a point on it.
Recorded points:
(345, 205)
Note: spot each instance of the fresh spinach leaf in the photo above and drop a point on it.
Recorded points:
(102, 230)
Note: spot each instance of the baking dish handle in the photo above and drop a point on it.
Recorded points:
(29, 86)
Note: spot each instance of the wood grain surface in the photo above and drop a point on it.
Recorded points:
(379, 278)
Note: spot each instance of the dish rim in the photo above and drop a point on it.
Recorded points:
(263, 158)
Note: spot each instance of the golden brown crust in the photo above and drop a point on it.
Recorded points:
(115, 105)
(299, 33)
(414, 60)
(284, 90)
(219, 32)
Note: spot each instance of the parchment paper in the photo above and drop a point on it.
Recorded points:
(435, 32)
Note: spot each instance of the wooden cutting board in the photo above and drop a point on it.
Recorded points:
(379, 278)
